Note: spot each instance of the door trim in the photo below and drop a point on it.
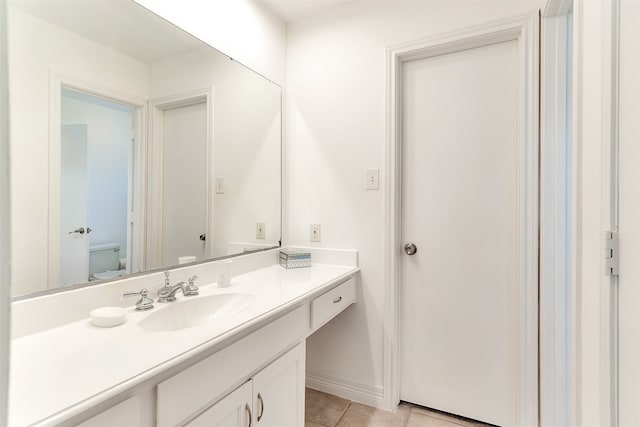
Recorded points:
(155, 193)
(56, 82)
(525, 30)
(556, 332)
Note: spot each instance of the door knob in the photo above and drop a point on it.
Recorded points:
(410, 249)
(203, 237)
(79, 231)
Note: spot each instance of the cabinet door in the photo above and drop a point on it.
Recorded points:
(278, 391)
(232, 411)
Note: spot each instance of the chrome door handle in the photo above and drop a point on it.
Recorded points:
(79, 231)
(261, 407)
(410, 249)
(246, 407)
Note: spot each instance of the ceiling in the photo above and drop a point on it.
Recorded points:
(124, 26)
(293, 10)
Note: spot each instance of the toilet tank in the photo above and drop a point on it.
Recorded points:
(104, 257)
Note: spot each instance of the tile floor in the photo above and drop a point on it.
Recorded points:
(326, 410)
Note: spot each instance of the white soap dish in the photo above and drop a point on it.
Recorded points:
(108, 317)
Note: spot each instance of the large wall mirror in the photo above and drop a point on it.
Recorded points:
(134, 146)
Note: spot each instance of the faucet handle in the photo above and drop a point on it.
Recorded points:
(144, 303)
(191, 289)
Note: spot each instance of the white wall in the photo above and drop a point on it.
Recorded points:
(108, 164)
(242, 29)
(335, 110)
(246, 134)
(5, 254)
(37, 48)
(594, 208)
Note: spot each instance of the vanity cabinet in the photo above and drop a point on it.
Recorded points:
(250, 373)
(274, 397)
(257, 357)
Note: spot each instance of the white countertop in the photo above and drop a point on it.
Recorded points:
(60, 372)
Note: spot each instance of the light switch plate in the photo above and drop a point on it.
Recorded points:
(373, 179)
(220, 185)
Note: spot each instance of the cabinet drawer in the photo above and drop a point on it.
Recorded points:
(332, 302)
(127, 413)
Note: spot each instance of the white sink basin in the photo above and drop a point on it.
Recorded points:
(192, 311)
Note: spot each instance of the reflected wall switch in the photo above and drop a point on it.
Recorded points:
(260, 230)
(315, 232)
(220, 185)
(373, 177)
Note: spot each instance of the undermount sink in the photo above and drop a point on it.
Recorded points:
(186, 313)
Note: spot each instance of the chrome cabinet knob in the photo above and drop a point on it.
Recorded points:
(410, 249)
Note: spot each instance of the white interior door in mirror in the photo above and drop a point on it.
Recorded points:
(74, 245)
(96, 186)
(185, 183)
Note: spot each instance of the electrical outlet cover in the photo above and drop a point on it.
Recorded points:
(373, 179)
(315, 232)
(260, 230)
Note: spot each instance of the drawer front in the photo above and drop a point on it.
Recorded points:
(329, 304)
(127, 413)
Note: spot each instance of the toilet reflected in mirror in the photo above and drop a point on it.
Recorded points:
(105, 262)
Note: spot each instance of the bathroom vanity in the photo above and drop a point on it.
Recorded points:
(244, 364)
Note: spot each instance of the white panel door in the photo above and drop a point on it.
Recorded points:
(232, 411)
(458, 313)
(629, 217)
(185, 183)
(74, 246)
(278, 391)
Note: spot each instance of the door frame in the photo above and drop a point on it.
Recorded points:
(155, 194)
(556, 164)
(56, 82)
(524, 29)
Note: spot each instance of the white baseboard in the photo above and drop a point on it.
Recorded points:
(363, 393)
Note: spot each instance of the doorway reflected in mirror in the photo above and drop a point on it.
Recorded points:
(95, 182)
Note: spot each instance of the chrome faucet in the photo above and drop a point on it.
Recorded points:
(167, 293)
(144, 303)
(165, 288)
(190, 289)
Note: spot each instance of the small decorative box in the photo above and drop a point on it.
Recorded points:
(294, 259)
